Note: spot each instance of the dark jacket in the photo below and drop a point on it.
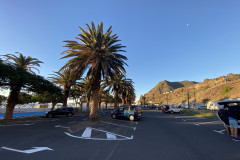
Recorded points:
(223, 115)
(234, 112)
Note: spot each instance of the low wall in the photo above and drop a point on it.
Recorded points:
(22, 110)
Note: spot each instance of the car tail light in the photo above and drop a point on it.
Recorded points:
(136, 112)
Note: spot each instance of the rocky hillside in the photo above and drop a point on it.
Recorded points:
(220, 88)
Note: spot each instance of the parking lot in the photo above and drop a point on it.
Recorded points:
(155, 136)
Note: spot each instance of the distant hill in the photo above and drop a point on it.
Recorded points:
(210, 90)
(166, 86)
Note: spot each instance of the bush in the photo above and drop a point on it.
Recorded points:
(226, 90)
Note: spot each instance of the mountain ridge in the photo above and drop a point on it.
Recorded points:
(208, 90)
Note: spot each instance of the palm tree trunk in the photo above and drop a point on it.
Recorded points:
(123, 98)
(88, 101)
(11, 102)
(99, 104)
(106, 104)
(65, 97)
(53, 105)
(115, 98)
(96, 79)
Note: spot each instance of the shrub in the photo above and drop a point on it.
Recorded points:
(226, 90)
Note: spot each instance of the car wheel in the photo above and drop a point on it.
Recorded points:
(50, 115)
(180, 112)
(131, 117)
(70, 115)
(114, 116)
(171, 112)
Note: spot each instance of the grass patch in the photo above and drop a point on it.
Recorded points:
(200, 113)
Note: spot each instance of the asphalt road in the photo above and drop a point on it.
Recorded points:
(154, 137)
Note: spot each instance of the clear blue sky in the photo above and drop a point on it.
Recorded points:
(170, 40)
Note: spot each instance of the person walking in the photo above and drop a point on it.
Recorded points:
(223, 115)
(233, 115)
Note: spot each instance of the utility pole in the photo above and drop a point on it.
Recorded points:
(188, 99)
(167, 98)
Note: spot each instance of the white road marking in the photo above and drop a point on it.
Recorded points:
(87, 133)
(134, 128)
(29, 151)
(109, 136)
(193, 119)
(72, 122)
(59, 126)
(220, 132)
(28, 124)
(197, 124)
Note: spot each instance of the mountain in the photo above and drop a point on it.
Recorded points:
(219, 88)
(166, 86)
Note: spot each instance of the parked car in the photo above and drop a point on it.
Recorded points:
(67, 111)
(128, 111)
(201, 107)
(169, 109)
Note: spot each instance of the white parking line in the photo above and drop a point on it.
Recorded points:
(134, 128)
(220, 132)
(72, 122)
(192, 119)
(198, 124)
(59, 126)
(28, 124)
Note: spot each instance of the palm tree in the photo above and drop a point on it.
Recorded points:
(107, 98)
(127, 90)
(85, 86)
(116, 84)
(98, 54)
(131, 96)
(66, 79)
(20, 64)
(28, 63)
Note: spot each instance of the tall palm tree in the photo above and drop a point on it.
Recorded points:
(131, 96)
(28, 63)
(66, 79)
(98, 54)
(116, 84)
(126, 90)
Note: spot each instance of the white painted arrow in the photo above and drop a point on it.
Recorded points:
(29, 151)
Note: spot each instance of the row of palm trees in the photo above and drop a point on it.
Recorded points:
(97, 57)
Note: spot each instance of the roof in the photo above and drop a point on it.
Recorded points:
(227, 102)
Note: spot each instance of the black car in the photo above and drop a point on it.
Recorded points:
(67, 111)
